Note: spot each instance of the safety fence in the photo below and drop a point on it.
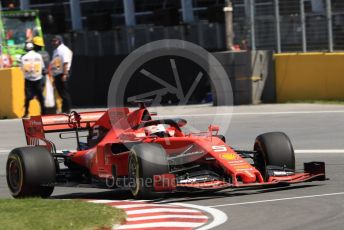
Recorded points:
(279, 25)
(123, 40)
(290, 25)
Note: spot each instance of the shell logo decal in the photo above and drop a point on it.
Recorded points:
(229, 156)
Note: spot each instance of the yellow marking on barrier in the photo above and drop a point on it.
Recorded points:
(309, 76)
(253, 78)
(12, 94)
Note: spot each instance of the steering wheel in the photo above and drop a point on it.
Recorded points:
(74, 119)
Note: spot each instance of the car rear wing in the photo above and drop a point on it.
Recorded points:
(35, 127)
(61, 122)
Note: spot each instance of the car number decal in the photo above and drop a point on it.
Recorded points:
(219, 148)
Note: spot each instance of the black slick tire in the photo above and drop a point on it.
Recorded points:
(145, 161)
(275, 149)
(30, 172)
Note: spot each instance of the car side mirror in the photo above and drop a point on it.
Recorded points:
(180, 122)
(213, 128)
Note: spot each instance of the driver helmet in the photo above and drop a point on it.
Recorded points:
(156, 130)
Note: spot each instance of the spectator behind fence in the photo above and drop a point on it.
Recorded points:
(33, 68)
(60, 67)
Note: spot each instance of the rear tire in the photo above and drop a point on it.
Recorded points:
(30, 172)
(273, 148)
(145, 161)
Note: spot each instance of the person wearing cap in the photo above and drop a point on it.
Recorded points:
(38, 47)
(38, 44)
(59, 67)
(33, 68)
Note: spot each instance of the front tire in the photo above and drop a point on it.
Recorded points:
(275, 149)
(30, 172)
(145, 161)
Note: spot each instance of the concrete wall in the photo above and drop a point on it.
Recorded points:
(90, 79)
(309, 76)
(298, 76)
(251, 75)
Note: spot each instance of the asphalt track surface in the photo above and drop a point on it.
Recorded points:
(317, 133)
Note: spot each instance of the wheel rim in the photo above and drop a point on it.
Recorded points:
(133, 173)
(15, 175)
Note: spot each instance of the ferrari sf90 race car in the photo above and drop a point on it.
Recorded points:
(129, 150)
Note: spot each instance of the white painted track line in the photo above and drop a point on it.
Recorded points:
(234, 113)
(10, 120)
(4, 152)
(117, 201)
(160, 224)
(102, 201)
(126, 206)
(154, 210)
(297, 151)
(165, 216)
(319, 151)
(276, 200)
(254, 113)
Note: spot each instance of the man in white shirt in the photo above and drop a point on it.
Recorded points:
(33, 67)
(59, 68)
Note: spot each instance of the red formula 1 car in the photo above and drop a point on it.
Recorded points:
(131, 151)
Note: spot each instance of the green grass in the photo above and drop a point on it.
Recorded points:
(57, 214)
(329, 101)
